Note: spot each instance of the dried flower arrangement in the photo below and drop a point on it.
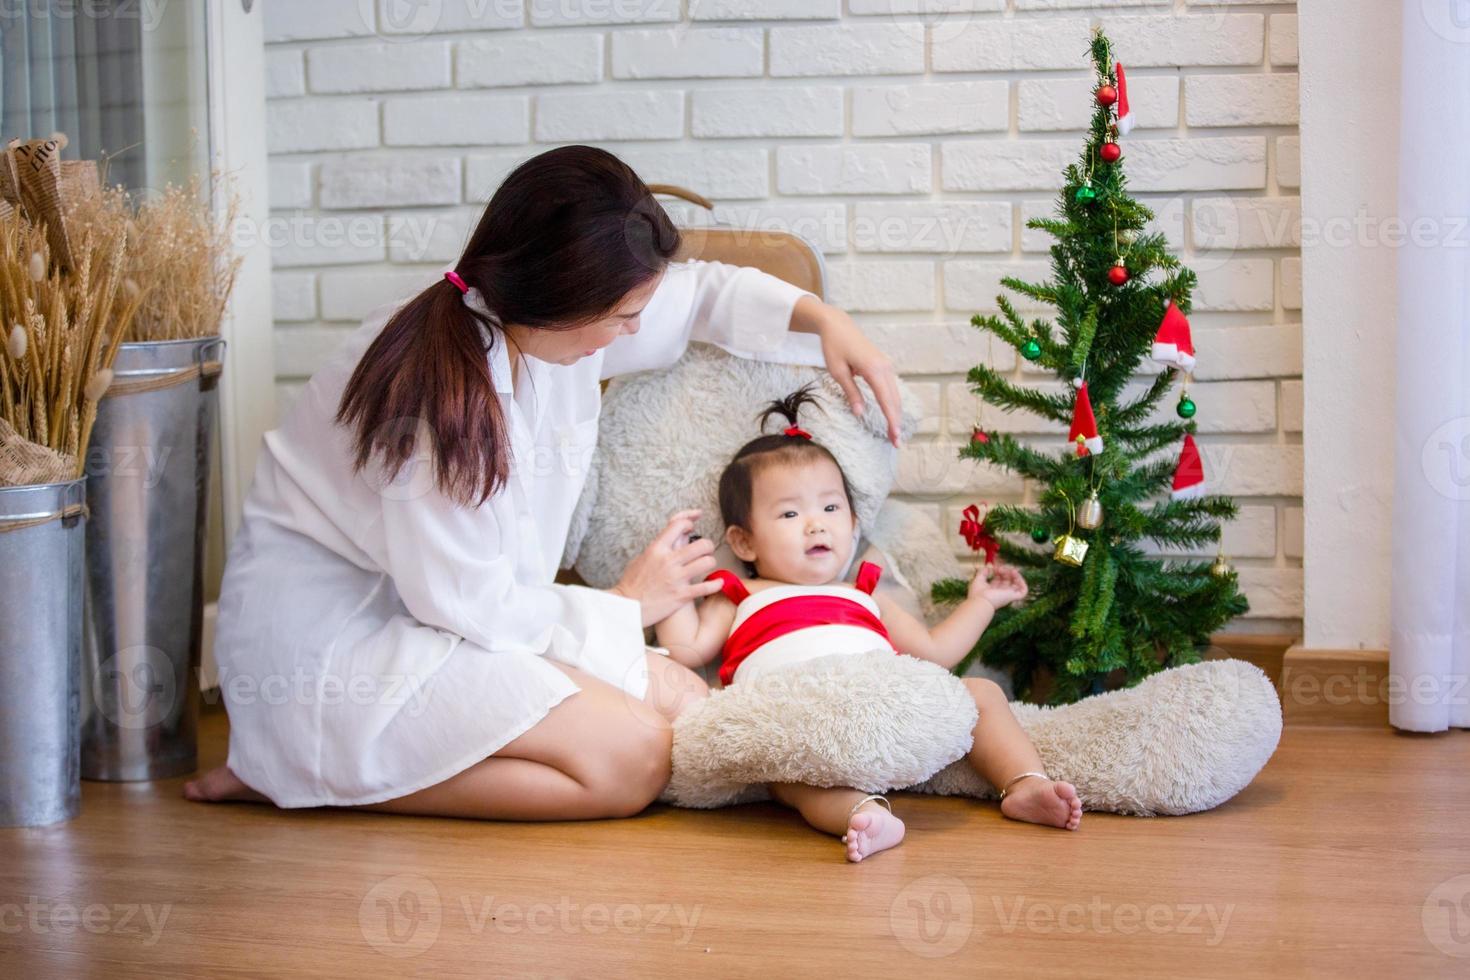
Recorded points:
(64, 330)
(179, 247)
(83, 270)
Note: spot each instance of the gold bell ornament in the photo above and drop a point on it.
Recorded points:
(1070, 550)
(1090, 514)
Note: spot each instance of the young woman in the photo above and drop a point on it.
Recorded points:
(390, 634)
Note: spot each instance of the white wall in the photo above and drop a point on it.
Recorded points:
(910, 146)
(1350, 107)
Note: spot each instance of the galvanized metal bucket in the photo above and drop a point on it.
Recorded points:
(148, 469)
(41, 529)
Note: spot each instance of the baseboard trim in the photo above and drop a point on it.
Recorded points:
(1334, 688)
(1266, 650)
(1319, 688)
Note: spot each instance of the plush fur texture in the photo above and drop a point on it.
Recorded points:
(870, 721)
(1182, 741)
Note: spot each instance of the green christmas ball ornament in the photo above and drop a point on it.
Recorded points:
(1039, 535)
(1186, 408)
(1085, 195)
(1031, 350)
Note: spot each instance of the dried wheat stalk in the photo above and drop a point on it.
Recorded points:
(178, 249)
(62, 331)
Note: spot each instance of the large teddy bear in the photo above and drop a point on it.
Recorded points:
(1182, 741)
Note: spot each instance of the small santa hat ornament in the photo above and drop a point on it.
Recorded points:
(1189, 475)
(1083, 433)
(1125, 114)
(1174, 344)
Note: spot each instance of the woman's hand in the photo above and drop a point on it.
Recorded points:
(1000, 585)
(849, 356)
(670, 572)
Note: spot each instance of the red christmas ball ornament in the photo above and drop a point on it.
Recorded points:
(1110, 152)
(1107, 95)
(1118, 274)
(979, 435)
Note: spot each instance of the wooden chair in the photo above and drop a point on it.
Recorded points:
(781, 253)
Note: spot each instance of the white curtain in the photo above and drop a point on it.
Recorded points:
(75, 67)
(1430, 639)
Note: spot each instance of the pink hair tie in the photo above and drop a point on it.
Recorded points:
(453, 277)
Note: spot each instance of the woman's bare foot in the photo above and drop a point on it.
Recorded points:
(1045, 802)
(219, 785)
(870, 830)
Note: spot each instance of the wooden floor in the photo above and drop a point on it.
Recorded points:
(1348, 856)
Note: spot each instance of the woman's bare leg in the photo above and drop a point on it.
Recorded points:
(608, 756)
(553, 773)
(869, 829)
(1002, 750)
(599, 753)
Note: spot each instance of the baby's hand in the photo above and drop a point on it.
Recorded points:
(1000, 585)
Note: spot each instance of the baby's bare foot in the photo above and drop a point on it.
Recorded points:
(219, 785)
(1043, 801)
(870, 830)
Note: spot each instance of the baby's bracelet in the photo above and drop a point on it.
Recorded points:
(1015, 779)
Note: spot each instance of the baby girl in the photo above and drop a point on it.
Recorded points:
(789, 517)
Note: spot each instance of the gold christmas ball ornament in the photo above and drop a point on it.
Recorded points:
(1070, 550)
(1221, 568)
(1090, 514)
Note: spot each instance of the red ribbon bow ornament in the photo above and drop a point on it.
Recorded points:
(972, 528)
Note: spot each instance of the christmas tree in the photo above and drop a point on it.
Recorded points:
(1102, 610)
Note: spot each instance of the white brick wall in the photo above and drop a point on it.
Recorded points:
(909, 139)
(377, 67)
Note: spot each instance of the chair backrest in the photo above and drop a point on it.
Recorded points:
(781, 253)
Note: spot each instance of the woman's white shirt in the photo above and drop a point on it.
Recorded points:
(484, 573)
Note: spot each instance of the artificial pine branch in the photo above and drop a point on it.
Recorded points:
(1000, 391)
(1037, 291)
(1007, 453)
(1145, 480)
(1082, 342)
(1124, 613)
(1150, 439)
(1140, 408)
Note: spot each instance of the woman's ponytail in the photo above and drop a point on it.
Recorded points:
(427, 376)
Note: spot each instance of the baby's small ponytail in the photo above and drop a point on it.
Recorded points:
(789, 407)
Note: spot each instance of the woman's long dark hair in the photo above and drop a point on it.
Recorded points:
(567, 235)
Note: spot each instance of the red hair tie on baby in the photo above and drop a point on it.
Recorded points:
(459, 283)
(796, 433)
